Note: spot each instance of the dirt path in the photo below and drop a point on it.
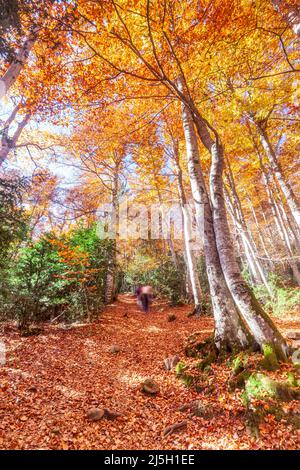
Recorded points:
(50, 381)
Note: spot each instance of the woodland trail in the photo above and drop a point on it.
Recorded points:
(51, 380)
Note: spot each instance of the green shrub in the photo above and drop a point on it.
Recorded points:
(285, 298)
(58, 277)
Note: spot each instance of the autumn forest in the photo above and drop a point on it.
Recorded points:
(149, 224)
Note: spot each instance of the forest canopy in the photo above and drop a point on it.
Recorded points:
(189, 105)
(149, 224)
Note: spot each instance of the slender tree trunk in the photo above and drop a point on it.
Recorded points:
(111, 276)
(258, 228)
(169, 241)
(9, 143)
(259, 323)
(276, 168)
(189, 255)
(251, 260)
(293, 263)
(230, 330)
(294, 234)
(188, 285)
(280, 224)
(15, 68)
(173, 253)
(267, 225)
(247, 239)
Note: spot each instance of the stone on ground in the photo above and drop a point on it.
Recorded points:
(95, 414)
(150, 387)
(171, 362)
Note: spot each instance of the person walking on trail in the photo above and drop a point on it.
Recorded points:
(146, 297)
(138, 292)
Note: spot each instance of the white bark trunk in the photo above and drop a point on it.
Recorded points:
(253, 263)
(9, 143)
(246, 236)
(281, 227)
(261, 326)
(230, 331)
(275, 165)
(111, 276)
(187, 224)
(259, 231)
(15, 68)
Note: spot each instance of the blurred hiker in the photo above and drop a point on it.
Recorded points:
(138, 292)
(146, 297)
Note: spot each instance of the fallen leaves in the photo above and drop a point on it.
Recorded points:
(50, 382)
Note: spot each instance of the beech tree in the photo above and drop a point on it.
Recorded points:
(153, 63)
(130, 65)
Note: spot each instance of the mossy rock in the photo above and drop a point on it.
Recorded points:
(239, 363)
(237, 366)
(196, 348)
(207, 361)
(292, 380)
(150, 387)
(261, 386)
(239, 380)
(180, 368)
(187, 380)
(269, 362)
(189, 351)
(254, 417)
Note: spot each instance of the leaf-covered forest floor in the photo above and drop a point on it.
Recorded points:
(50, 381)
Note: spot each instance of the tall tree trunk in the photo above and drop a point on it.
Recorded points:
(258, 228)
(253, 264)
(295, 241)
(187, 224)
(293, 263)
(230, 330)
(15, 68)
(247, 239)
(276, 168)
(259, 323)
(111, 276)
(8, 143)
(280, 225)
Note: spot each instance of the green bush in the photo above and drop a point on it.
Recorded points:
(285, 298)
(12, 219)
(58, 277)
(13, 225)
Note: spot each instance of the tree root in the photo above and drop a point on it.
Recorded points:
(175, 427)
